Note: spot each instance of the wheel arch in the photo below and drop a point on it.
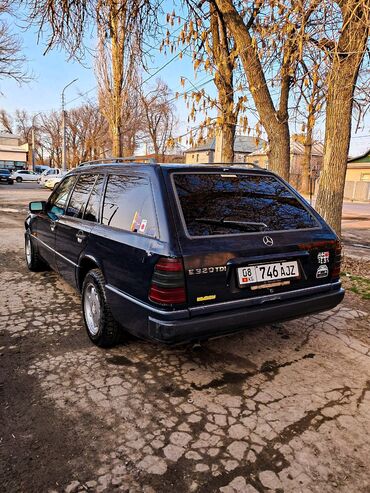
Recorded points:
(87, 263)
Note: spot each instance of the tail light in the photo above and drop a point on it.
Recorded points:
(337, 260)
(168, 282)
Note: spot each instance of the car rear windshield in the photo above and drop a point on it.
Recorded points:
(220, 204)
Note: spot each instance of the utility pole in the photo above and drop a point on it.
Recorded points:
(64, 149)
(33, 140)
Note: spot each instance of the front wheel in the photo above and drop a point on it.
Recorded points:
(101, 327)
(34, 262)
(18, 179)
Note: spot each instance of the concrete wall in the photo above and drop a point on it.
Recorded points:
(199, 157)
(358, 174)
(13, 156)
(357, 190)
(9, 141)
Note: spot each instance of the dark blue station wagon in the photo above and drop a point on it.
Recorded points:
(179, 253)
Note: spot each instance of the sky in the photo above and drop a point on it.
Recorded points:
(52, 71)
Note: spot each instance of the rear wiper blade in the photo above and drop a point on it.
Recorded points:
(245, 223)
(249, 225)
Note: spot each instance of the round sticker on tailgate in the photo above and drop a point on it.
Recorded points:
(322, 271)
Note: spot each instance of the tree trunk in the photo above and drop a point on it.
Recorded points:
(306, 163)
(275, 122)
(347, 59)
(224, 82)
(116, 140)
(227, 152)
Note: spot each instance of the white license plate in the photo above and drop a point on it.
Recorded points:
(267, 272)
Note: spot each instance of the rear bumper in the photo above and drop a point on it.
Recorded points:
(222, 323)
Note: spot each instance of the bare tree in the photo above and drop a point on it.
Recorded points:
(12, 61)
(159, 117)
(6, 121)
(121, 28)
(51, 128)
(309, 96)
(87, 134)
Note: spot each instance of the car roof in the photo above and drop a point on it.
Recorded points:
(111, 166)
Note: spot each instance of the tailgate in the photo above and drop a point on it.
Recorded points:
(220, 276)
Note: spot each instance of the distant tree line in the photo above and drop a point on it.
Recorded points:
(147, 122)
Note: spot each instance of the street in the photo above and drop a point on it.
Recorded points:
(280, 408)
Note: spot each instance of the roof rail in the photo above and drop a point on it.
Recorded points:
(253, 165)
(110, 160)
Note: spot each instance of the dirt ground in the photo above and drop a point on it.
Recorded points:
(279, 408)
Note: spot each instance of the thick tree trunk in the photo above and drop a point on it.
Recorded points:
(224, 82)
(227, 151)
(306, 163)
(347, 58)
(275, 122)
(116, 140)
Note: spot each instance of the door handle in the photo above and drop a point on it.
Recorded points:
(52, 226)
(80, 236)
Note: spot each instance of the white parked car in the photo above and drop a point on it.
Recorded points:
(53, 180)
(24, 175)
(49, 173)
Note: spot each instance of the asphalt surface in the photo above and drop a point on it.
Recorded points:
(279, 408)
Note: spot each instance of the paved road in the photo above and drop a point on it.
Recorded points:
(280, 408)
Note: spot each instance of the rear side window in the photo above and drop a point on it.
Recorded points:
(80, 195)
(92, 207)
(129, 205)
(215, 203)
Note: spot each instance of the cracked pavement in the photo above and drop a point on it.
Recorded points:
(280, 408)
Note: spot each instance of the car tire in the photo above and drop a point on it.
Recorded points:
(100, 325)
(34, 262)
(18, 179)
(10, 182)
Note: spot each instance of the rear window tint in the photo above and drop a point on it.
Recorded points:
(128, 205)
(216, 204)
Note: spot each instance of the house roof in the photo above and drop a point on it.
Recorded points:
(295, 148)
(243, 144)
(362, 157)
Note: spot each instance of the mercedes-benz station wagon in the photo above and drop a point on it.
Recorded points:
(177, 253)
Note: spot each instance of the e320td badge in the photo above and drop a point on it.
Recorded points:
(207, 270)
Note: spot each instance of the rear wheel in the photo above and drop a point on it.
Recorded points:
(34, 262)
(18, 179)
(101, 327)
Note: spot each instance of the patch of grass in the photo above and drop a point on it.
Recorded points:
(357, 284)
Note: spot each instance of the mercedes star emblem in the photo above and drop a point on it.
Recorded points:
(268, 241)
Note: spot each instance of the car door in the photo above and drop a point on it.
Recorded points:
(75, 225)
(127, 234)
(32, 176)
(47, 221)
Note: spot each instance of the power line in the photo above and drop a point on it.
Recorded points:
(147, 79)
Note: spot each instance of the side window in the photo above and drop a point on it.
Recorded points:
(80, 195)
(92, 207)
(129, 205)
(58, 200)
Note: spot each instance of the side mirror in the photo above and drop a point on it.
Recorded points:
(39, 206)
